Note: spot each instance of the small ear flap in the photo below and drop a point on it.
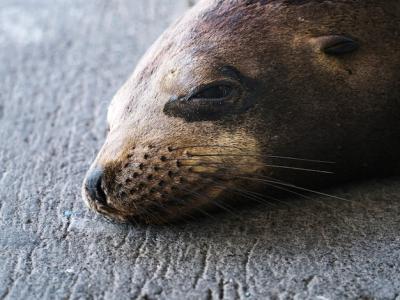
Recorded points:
(335, 44)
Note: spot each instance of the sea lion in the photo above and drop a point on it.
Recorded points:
(244, 97)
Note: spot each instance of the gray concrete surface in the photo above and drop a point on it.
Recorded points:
(60, 64)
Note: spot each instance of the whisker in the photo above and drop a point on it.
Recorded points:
(267, 179)
(293, 186)
(203, 146)
(164, 206)
(302, 159)
(249, 195)
(260, 198)
(299, 194)
(246, 154)
(275, 181)
(264, 165)
(224, 207)
(196, 208)
(262, 156)
(257, 197)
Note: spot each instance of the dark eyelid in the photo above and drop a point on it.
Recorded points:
(194, 91)
(336, 44)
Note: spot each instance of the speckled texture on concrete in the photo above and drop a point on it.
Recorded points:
(60, 64)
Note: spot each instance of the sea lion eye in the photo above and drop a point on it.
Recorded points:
(207, 102)
(336, 44)
(213, 92)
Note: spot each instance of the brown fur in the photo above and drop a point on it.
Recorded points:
(343, 109)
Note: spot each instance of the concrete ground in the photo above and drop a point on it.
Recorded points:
(60, 63)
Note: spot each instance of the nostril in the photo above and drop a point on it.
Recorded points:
(93, 186)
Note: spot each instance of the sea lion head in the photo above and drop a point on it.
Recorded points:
(235, 95)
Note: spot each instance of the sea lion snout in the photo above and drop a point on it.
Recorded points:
(141, 180)
(158, 183)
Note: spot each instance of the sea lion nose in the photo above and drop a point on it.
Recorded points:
(93, 185)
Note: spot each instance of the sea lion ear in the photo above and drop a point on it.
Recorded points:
(335, 44)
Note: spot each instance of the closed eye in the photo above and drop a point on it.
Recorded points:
(223, 98)
(213, 92)
(336, 44)
(207, 102)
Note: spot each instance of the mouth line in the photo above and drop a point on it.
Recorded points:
(104, 210)
(141, 216)
(152, 212)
